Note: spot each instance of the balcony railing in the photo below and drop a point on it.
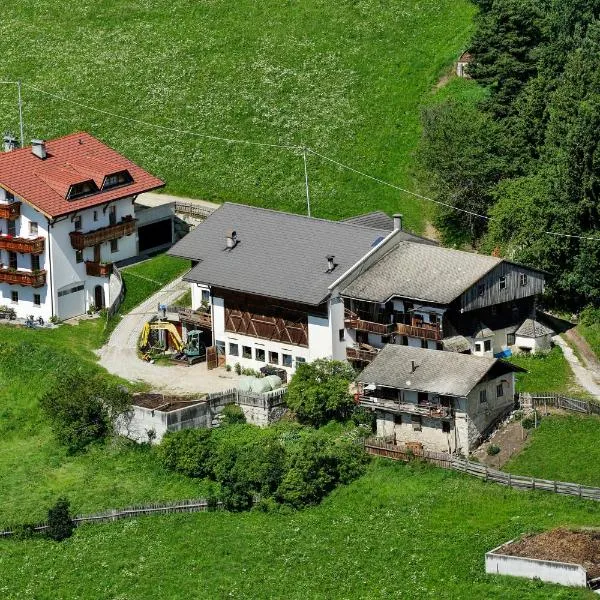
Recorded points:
(434, 411)
(360, 354)
(197, 318)
(370, 326)
(10, 211)
(22, 245)
(34, 279)
(80, 240)
(96, 269)
(426, 331)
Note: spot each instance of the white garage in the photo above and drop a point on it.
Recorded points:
(71, 301)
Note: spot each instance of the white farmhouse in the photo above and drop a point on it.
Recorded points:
(66, 215)
(442, 401)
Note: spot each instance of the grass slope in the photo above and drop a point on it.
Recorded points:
(399, 532)
(346, 78)
(563, 448)
(546, 373)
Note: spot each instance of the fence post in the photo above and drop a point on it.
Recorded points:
(509, 480)
(486, 473)
(555, 487)
(533, 483)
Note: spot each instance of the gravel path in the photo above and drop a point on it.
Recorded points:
(119, 355)
(586, 377)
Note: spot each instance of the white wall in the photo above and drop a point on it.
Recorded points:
(320, 339)
(540, 344)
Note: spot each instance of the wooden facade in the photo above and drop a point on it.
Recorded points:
(266, 318)
(503, 283)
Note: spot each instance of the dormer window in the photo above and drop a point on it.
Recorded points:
(115, 179)
(84, 188)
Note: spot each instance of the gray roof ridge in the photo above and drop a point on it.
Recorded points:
(299, 216)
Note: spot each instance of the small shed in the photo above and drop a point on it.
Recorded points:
(462, 63)
(532, 336)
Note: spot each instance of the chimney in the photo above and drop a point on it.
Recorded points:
(38, 147)
(330, 263)
(413, 366)
(398, 221)
(231, 240)
(10, 142)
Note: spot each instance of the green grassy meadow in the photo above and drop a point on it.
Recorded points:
(345, 78)
(546, 373)
(401, 531)
(563, 448)
(146, 278)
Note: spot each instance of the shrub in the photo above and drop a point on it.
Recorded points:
(493, 449)
(529, 421)
(364, 416)
(82, 408)
(60, 524)
(232, 415)
(237, 368)
(318, 392)
(187, 451)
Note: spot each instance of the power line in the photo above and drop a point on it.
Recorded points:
(164, 127)
(392, 185)
(302, 149)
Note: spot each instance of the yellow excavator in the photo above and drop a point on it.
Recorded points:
(191, 353)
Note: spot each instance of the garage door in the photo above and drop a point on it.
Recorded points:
(155, 234)
(71, 301)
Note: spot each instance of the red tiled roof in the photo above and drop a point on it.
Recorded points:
(71, 159)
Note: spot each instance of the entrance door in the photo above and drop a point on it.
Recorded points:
(99, 297)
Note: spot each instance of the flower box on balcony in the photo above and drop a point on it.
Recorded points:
(10, 211)
(95, 269)
(30, 278)
(22, 245)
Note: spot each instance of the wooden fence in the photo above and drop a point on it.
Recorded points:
(384, 449)
(191, 209)
(107, 516)
(267, 400)
(552, 400)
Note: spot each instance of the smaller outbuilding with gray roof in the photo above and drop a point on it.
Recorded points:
(444, 401)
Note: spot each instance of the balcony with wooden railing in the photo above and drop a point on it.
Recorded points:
(427, 331)
(198, 318)
(429, 409)
(361, 354)
(22, 245)
(30, 278)
(80, 240)
(10, 211)
(98, 269)
(354, 321)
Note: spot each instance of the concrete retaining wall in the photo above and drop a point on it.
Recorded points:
(545, 570)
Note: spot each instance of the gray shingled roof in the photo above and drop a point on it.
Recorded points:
(456, 343)
(533, 329)
(376, 219)
(421, 272)
(437, 371)
(280, 255)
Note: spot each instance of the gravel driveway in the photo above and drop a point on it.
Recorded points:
(119, 355)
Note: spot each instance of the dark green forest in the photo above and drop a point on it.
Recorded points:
(525, 156)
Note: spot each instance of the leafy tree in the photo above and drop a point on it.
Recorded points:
(232, 415)
(82, 408)
(187, 451)
(60, 523)
(319, 392)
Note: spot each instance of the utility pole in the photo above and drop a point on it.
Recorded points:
(20, 114)
(306, 181)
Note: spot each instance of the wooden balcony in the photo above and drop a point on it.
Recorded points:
(80, 240)
(10, 211)
(34, 279)
(22, 245)
(433, 411)
(426, 331)
(360, 354)
(369, 326)
(96, 269)
(198, 318)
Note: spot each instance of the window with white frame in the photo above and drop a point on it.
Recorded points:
(274, 358)
(286, 360)
(33, 228)
(234, 349)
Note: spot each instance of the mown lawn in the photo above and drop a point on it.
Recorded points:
(563, 448)
(345, 78)
(401, 531)
(546, 373)
(146, 278)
